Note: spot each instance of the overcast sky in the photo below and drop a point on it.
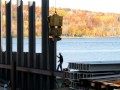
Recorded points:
(92, 5)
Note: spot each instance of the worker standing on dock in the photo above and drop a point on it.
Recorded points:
(61, 61)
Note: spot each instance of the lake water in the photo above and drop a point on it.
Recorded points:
(80, 49)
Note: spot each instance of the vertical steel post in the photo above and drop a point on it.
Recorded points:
(9, 41)
(45, 40)
(0, 31)
(1, 36)
(52, 58)
(20, 33)
(20, 54)
(31, 6)
(8, 31)
(13, 71)
(52, 53)
(32, 44)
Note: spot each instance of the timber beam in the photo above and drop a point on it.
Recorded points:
(31, 70)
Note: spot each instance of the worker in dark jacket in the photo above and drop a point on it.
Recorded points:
(61, 61)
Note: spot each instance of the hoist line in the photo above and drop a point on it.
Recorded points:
(55, 6)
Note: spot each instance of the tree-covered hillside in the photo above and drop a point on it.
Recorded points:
(76, 23)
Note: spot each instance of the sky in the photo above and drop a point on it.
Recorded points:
(91, 5)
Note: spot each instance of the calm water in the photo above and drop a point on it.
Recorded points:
(83, 49)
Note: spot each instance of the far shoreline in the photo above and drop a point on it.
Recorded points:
(76, 37)
(91, 37)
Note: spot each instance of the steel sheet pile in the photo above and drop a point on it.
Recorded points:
(103, 72)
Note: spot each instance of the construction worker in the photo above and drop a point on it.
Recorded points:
(61, 61)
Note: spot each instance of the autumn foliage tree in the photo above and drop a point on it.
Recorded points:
(76, 23)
